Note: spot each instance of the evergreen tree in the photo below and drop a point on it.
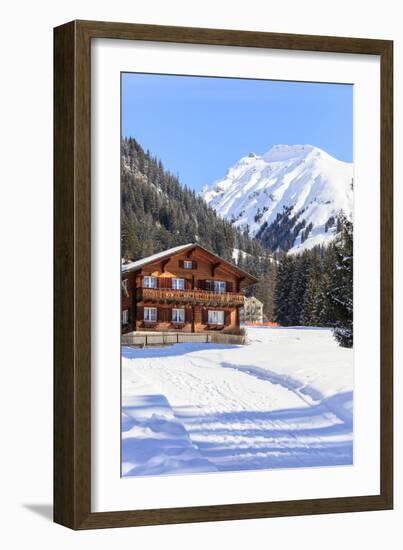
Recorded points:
(298, 287)
(341, 287)
(130, 244)
(265, 289)
(326, 311)
(311, 311)
(282, 292)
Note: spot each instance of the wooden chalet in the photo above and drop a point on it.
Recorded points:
(186, 288)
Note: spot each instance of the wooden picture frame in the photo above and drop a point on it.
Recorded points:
(72, 272)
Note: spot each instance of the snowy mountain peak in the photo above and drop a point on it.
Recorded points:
(293, 190)
(280, 153)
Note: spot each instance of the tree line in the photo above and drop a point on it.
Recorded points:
(315, 287)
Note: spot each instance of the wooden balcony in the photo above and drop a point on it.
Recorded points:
(200, 297)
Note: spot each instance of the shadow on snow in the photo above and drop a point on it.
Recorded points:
(187, 441)
(171, 350)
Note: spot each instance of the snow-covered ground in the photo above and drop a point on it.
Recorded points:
(283, 401)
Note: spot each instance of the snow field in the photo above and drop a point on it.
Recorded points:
(283, 401)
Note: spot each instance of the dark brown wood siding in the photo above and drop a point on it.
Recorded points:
(200, 278)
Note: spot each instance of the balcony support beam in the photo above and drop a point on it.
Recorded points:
(214, 267)
(163, 264)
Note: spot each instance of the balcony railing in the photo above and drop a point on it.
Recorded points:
(193, 296)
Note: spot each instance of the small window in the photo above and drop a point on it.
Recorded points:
(215, 317)
(178, 284)
(125, 316)
(188, 264)
(150, 314)
(150, 282)
(178, 315)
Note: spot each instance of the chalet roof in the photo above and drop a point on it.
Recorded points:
(132, 266)
(138, 264)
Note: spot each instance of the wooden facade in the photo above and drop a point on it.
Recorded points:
(187, 289)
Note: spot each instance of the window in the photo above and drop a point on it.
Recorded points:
(150, 314)
(188, 264)
(125, 316)
(178, 284)
(216, 286)
(219, 286)
(150, 282)
(215, 317)
(178, 315)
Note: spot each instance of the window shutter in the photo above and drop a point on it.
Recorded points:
(227, 317)
(160, 314)
(194, 264)
(163, 282)
(181, 263)
(188, 315)
(229, 286)
(201, 284)
(188, 284)
(204, 316)
(140, 313)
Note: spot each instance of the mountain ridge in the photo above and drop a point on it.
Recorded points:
(288, 198)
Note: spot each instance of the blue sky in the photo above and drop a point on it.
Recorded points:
(200, 126)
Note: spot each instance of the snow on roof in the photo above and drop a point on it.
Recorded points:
(130, 266)
(154, 257)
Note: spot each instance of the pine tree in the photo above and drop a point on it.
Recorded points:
(282, 304)
(265, 289)
(311, 311)
(341, 287)
(326, 311)
(130, 244)
(298, 287)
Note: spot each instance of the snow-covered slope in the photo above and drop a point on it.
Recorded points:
(289, 180)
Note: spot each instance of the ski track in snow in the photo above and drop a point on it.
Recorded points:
(201, 408)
